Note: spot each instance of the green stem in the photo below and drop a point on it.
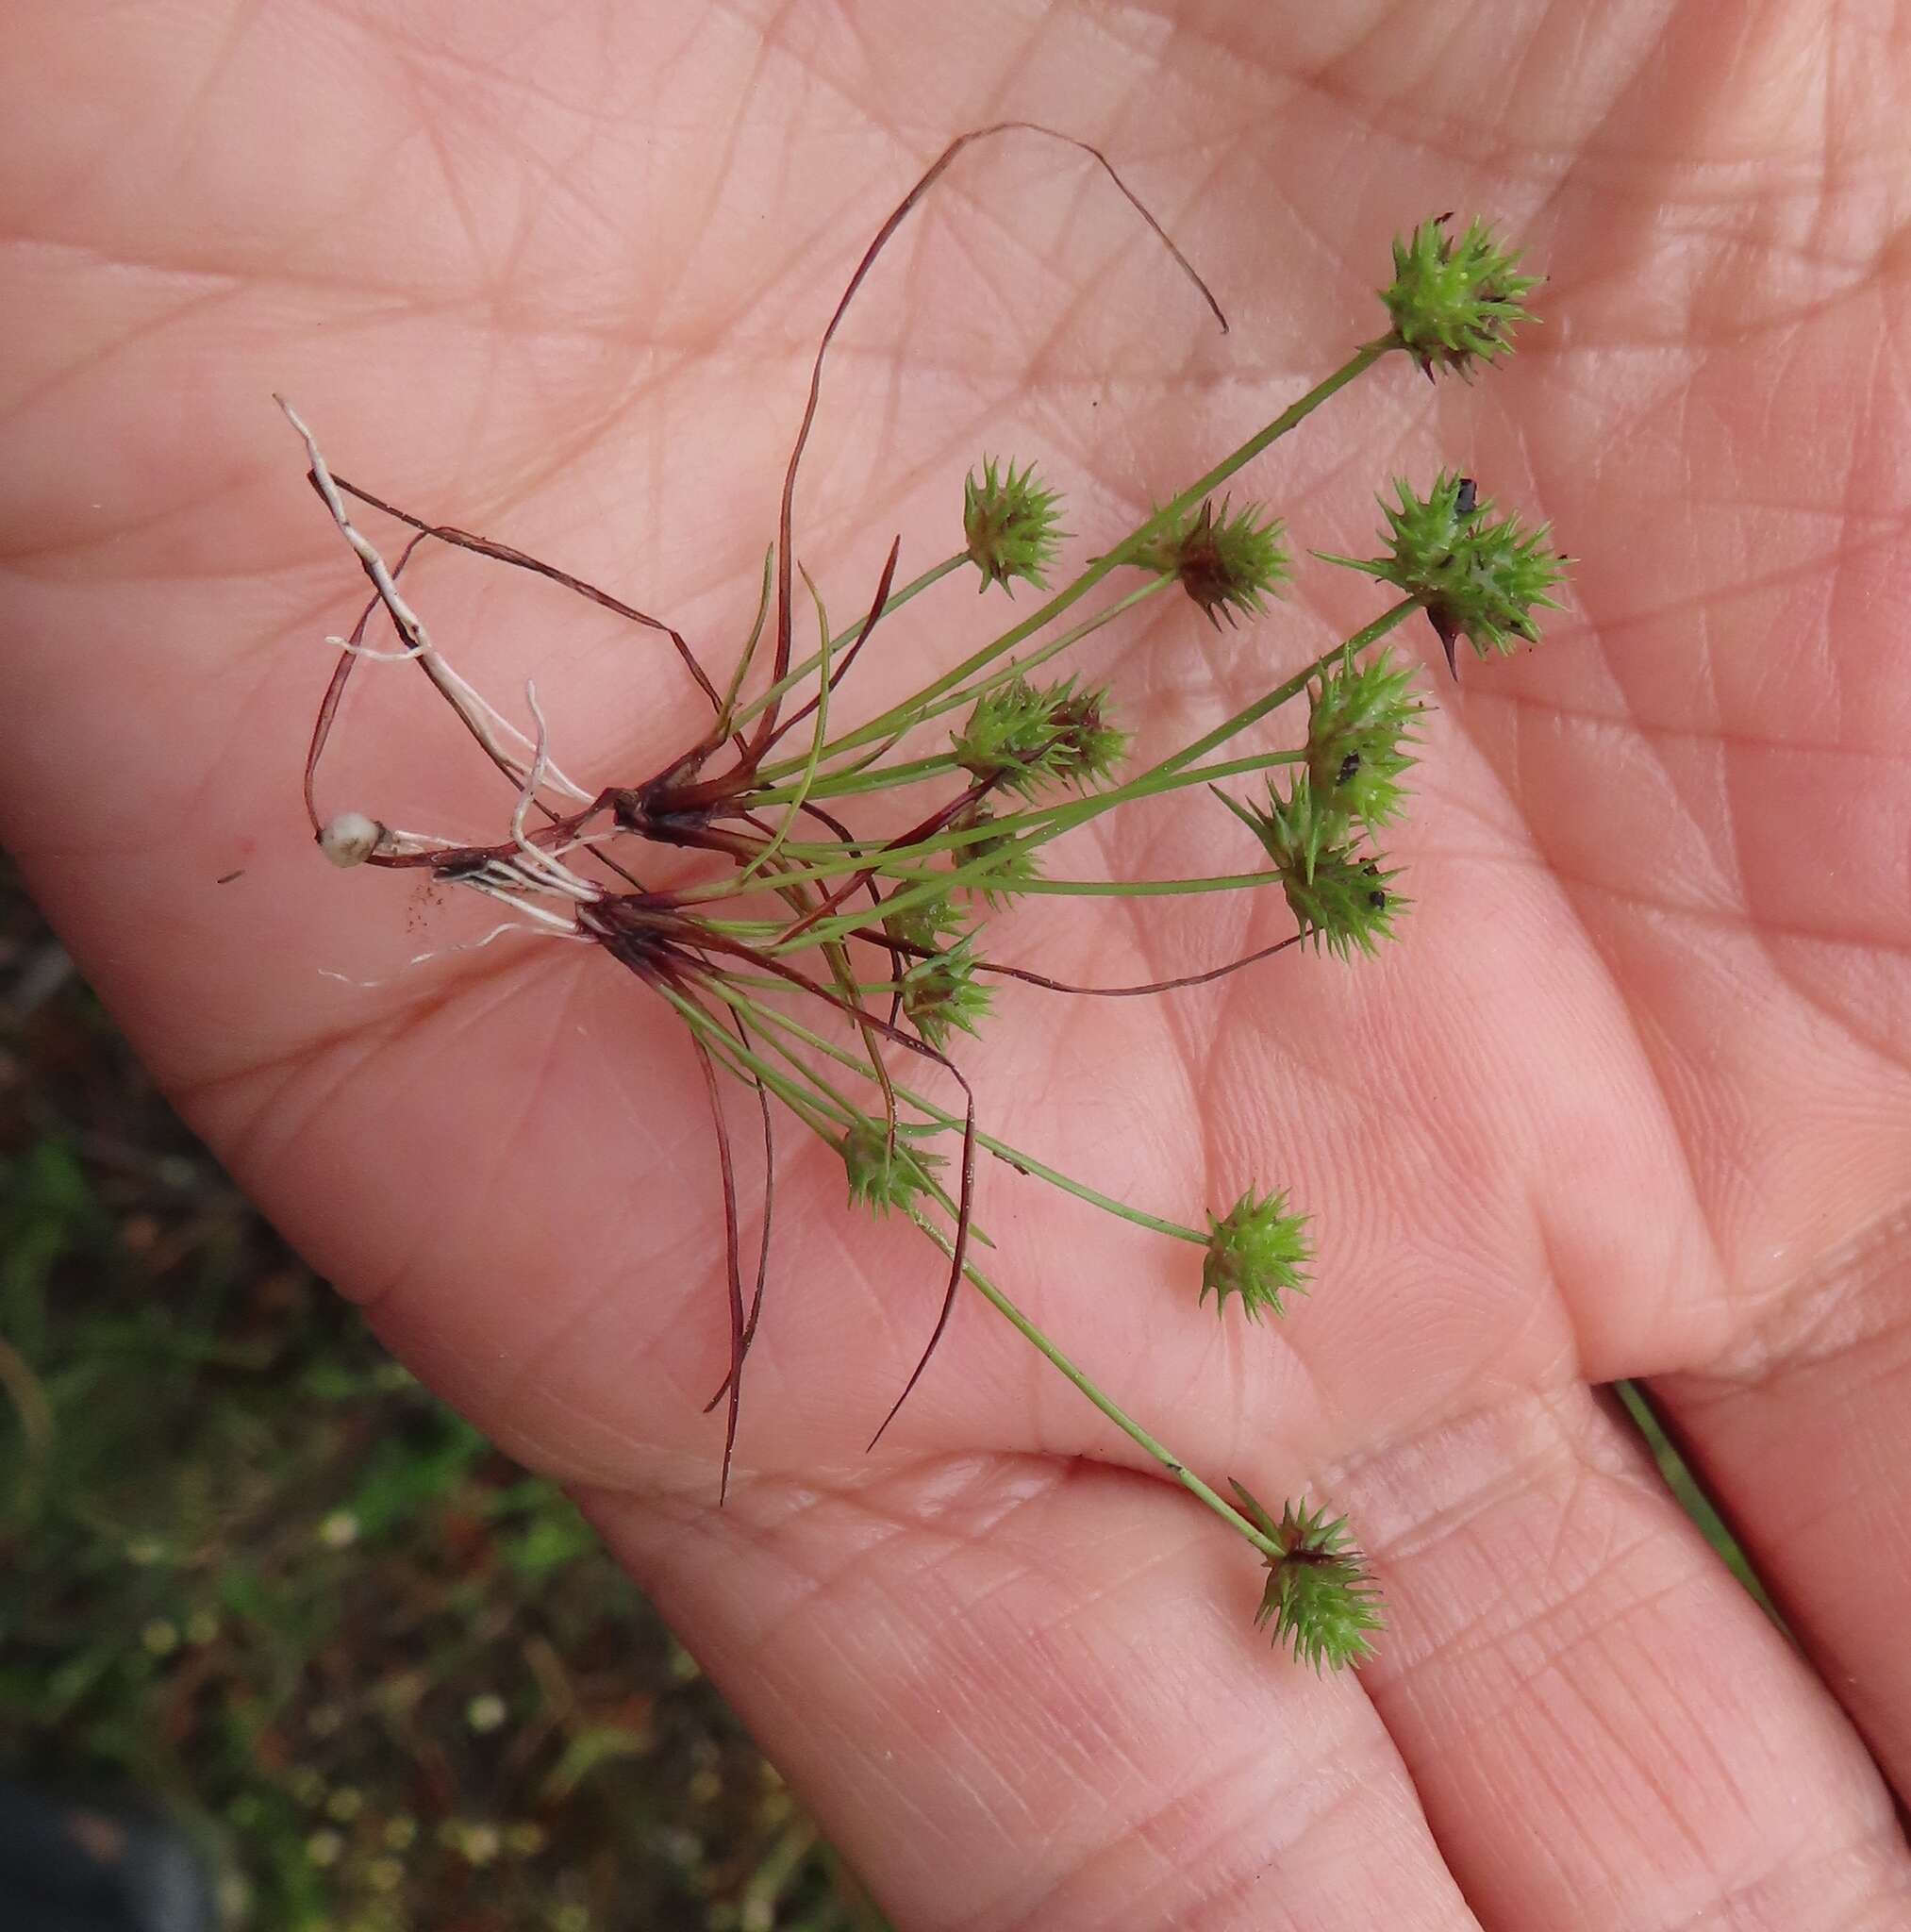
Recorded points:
(822, 859)
(848, 784)
(1142, 888)
(1109, 1407)
(895, 601)
(1159, 778)
(773, 1020)
(823, 851)
(1369, 634)
(935, 702)
(1290, 418)
(806, 1106)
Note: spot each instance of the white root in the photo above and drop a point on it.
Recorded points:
(481, 719)
(508, 927)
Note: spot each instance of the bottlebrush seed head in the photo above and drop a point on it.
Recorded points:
(1478, 577)
(1011, 523)
(1361, 721)
(1258, 1251)
(882, 1176)
(1230, 564)
(1320, 1596)
(1338, 894)
(942, 992)
(1024, 736)
(1454, 298)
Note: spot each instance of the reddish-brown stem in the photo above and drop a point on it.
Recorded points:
(937, 821)
(742, 1032)
(732, 1246)
(1118, 992)
(519, 559)
(723, 942)
(840, 670)
(786, 512)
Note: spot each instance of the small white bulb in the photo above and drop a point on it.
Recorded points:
(351, 839)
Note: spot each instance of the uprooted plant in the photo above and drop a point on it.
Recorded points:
(816, 962)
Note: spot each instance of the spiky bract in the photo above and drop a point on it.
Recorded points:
(1022, 736)
(884, 1175)
(1476, 576)
(1011, 523)
(1320, 1596)
(1338, 893)
(1454, 298)
(1360, 723)
(1258, 1251)
(1230, 564)
(942, 992)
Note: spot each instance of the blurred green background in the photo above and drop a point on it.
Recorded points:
(248, 1567)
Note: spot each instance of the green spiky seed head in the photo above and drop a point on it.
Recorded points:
(1339, 894)
(1013, 524)
(1090, 747)
(1258, 1251)
(1454, 298)
(1001, 864)
(882, 1176)
(1360, 723)
(1023, 736)
(1230, 564)
(1477, 577)
(1320, 1596)
(927, 923)
(942, 992)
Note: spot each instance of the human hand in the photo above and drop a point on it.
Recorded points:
(1628, 1099)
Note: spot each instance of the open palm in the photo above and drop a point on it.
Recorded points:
(1630, 1098)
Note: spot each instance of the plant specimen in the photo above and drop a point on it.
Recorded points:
(835, 969)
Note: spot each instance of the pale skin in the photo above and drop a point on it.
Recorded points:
(1630, 1097)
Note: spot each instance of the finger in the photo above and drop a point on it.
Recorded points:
(1805, 1441)
(1024, 1692)
(1606, 1731)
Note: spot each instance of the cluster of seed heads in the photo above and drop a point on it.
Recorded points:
(818, 961)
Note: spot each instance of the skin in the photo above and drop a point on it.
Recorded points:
(1630, 1097)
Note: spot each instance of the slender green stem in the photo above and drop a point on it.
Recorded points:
(849, 784)
(747, 656)
(895, 601)
(825, 851)
(1019, 667)
(934, 704)
(818, 738)
(1109, 1407)
(806, 1106)
(772, 1020)
(1080, 812)
(820, 859)
(1369, 634)
(1144, 888)
(1165, 776)
(1151, 785)
(1290, 418)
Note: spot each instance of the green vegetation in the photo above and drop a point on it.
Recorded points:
(250, 1568)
